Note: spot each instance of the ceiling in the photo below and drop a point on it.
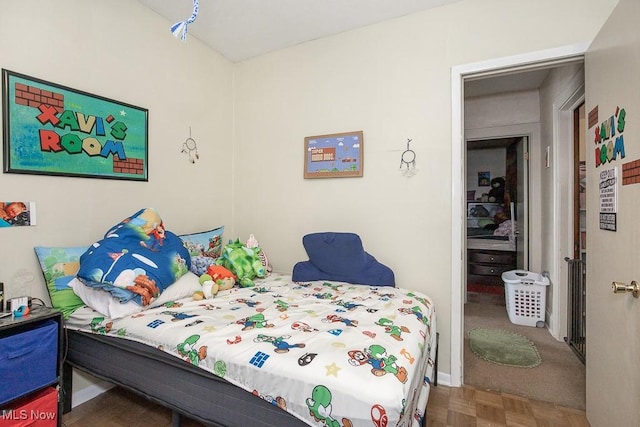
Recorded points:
(243, 29)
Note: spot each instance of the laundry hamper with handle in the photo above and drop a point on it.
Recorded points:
(526, 294)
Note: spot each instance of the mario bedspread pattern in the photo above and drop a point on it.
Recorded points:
(330, 353)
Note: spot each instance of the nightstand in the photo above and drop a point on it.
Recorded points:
(31, 368)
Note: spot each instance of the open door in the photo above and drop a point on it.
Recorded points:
(612, 67)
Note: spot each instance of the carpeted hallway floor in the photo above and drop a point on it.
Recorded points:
(560, 378)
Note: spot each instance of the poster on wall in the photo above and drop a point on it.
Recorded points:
(51, 129)
(484, 179)
(608, 199)
(16, 214)
(337, 155)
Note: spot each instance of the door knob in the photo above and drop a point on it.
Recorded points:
(622, 288)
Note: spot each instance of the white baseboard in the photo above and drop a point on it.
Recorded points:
(89, 393)
(444, 379)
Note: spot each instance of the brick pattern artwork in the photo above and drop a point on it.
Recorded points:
(631, 172)
(33, 97)
(130, 165)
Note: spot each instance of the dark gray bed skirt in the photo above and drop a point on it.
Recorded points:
(170, 382)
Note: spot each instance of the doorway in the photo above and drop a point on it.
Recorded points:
(497, 214)
(538, 163)
(533, 106)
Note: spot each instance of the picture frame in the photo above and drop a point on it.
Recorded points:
(484, 179)
(51, 129)
(337, 155)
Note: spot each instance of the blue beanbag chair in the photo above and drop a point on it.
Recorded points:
(340, 257)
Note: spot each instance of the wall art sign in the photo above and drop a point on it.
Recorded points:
(609, 138)
(337, 155)
(608, 199)
(51, 129)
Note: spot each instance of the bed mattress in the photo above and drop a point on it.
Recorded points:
(327, 353)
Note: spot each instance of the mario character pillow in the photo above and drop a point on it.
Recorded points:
(136, 260)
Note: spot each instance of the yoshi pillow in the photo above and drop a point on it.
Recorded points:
(59, 266)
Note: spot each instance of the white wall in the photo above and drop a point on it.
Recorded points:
(492, 160)
(503, 109)
(391, 80)
(120, 50)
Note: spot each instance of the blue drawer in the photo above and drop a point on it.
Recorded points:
(28, 360)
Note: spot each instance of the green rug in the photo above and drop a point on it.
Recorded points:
(504, 348)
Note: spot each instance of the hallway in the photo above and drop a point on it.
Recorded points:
(559, 379)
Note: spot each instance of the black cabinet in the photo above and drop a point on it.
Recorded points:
(31, 368)
(485, 267)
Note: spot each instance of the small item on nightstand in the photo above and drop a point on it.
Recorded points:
(23, 310)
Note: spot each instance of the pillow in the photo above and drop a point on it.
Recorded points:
(136, 260)
(59, 266)
(340, 257)
(204, 248)
(105, 304)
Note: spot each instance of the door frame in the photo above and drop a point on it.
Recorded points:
(458, 197)
(563, 172)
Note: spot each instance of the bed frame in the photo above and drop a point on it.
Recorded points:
(164, 379)
(171, 382)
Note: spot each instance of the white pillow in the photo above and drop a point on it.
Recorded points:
(104, 303)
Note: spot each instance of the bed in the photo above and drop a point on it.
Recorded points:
(335, 343)
(489, 227)
(281, 353)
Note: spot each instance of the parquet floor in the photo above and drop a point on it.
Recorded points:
(472, 407)
(448, 407)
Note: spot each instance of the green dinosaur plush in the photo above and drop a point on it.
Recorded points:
(244, 262)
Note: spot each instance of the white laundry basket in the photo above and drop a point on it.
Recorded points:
(526, 294)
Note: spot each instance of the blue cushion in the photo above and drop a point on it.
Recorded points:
(340, 257)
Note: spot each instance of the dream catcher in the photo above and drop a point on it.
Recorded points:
(190, 147)
(408, 158)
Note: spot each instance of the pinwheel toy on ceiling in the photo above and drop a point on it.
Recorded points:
(179, 29)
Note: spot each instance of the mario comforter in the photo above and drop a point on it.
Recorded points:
(330, 353)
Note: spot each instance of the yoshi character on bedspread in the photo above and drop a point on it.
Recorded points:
(319, 405)
(99, 326)
(188, 350)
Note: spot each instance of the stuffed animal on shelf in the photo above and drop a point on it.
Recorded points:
(216, 279)
(244, 262)
(496, 194)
